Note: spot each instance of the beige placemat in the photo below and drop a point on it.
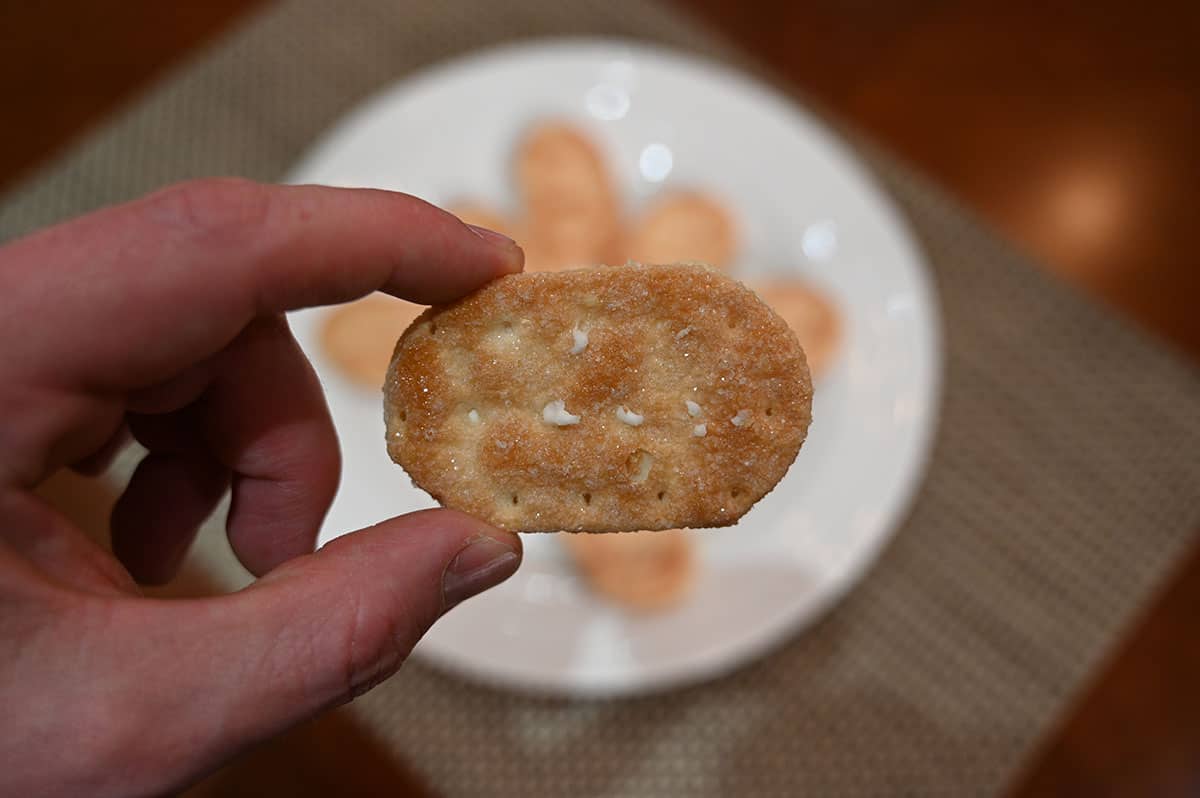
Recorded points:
(1062, 488)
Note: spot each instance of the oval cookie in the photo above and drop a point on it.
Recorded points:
(359, 336)
(572, 208)
(685, 227)
(601, 399)
(643, 571)
(811, 315)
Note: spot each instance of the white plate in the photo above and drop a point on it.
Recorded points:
(805, 204)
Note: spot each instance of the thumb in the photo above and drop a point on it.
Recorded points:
(316, 631)
(346, 617)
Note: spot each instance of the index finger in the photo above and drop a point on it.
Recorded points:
(184, 270)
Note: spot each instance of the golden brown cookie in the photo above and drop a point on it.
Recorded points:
(684, 228)
(572, 209)
(642, 571)
(601, 399)
(359, 336)
(811, 314)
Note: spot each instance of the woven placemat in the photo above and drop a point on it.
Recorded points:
(1062, 488)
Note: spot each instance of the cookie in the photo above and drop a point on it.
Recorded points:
(811, 315)
(601, 399)
(642, 571)
(684, 227)
(359, 337)
(572, 209)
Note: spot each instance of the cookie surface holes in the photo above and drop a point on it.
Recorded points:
(769, 411)
(661, 494)
(515, 499)
(735, 493)
(587, 498)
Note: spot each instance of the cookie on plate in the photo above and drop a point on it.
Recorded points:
(641, 571)
(359, 336)
(811, 315)
(684, 227)
(571, 206)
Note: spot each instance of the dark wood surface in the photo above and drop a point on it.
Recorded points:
(1073, 129)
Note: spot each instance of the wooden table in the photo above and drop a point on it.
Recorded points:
(1076, 132)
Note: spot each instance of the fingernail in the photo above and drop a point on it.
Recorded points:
(484, 562)
(491, 236)
(515, 256)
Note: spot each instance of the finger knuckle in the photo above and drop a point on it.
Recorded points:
(219, 210)
(372, 650)
(373, 629)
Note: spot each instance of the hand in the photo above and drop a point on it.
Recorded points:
(163, 318)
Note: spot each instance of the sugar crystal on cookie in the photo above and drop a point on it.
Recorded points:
(556, 413)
